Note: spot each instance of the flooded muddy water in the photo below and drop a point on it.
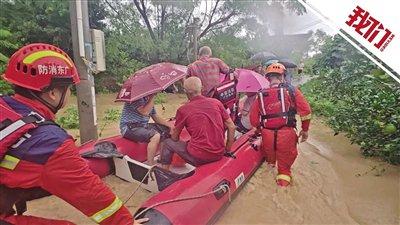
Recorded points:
(333, 184)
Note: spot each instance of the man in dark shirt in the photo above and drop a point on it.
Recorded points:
(205, 120)
(208, 70)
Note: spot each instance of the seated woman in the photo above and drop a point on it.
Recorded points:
(135, 126)
(205, 120)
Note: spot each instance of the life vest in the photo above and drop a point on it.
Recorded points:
(226, 93)
(278, 107)
(13, 129)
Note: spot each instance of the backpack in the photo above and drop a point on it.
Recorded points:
(278, 107)
(14, 128)
(226, 93)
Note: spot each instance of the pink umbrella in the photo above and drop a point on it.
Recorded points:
(150, 80)
(250, 81)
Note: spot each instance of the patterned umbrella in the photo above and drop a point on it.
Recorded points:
(150, 80)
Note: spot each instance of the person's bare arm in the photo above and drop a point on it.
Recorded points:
(146, 109)
(176, 132)
(179, 125)
(189, 72)
(159, 120)
(247, 105)
(231, 133)
(223, 67)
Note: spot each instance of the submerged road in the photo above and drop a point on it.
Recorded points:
(333, 184)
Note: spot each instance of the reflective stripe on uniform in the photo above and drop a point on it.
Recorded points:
(306, 117)
(11, 128)
(283, 177)
(9, 162)
(261, 99)
(108, 211)
(38, 55)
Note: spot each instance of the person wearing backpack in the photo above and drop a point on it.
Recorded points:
(37, 157)
(273, 113)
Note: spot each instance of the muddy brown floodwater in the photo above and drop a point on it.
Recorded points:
(333, 184)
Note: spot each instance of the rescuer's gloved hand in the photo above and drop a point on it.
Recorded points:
(303, 135)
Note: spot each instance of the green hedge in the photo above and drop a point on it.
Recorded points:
(5, 88)
(356, 97)
(369, 114)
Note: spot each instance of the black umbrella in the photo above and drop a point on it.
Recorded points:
(287, 63)
(267, 58)
(263, 57)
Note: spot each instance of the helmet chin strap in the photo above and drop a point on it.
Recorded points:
(54, 109)
(61, 102)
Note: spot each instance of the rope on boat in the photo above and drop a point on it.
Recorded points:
(141, 182)
(224, 188)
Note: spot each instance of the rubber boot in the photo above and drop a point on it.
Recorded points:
(283, 180)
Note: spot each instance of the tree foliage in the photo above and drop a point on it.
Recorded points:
(357, 98)
(38, 21)
(236, 54)
(143, 32)
(139, 33)
(7, 45)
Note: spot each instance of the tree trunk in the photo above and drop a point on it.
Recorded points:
(143, 13)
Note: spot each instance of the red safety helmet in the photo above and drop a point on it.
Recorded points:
(275, 68)
(39, 66)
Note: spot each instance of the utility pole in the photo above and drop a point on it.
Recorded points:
(81, 42)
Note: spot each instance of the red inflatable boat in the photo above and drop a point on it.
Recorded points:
(203, 196)
(136, 151)
(199, 198)
(187, 195)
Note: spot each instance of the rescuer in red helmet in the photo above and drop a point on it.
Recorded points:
(37, 157)
(274, 114)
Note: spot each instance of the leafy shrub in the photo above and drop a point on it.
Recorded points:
(110, 116)
(320, 103)
(8, 44)
(5, 88)
(369, 116)
(357, 99)
(160, 98)
(70, 118)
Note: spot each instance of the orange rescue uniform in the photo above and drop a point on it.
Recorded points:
(280, 145)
